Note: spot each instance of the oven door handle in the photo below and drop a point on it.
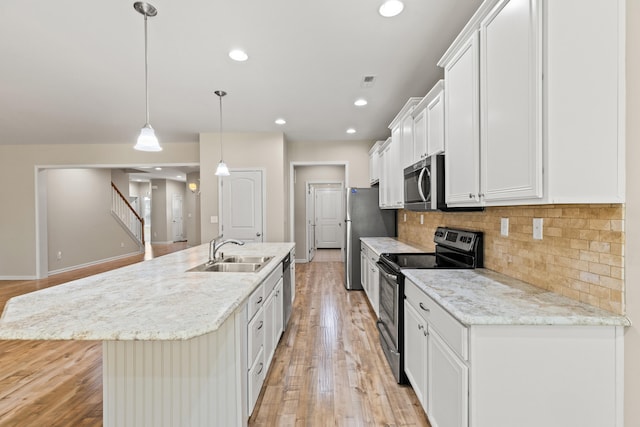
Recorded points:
(420, 178)
(383, 271)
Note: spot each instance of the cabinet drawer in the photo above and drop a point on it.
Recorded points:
(255, 335)
(454, 333)
(272, 280)
(256, 378)
(255, 302)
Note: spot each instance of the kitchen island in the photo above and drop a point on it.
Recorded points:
(174, 342)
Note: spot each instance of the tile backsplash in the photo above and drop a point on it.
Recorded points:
(581, 255)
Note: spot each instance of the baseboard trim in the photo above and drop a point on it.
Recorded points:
(18, 277)
(92, 263)
(162, 243)
(301, 261)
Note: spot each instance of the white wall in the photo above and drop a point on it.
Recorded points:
(18, 164)
(244, 150)
(632, 219)
(356, 153)
(79, 220)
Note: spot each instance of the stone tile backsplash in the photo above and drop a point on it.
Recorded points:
(581, 255)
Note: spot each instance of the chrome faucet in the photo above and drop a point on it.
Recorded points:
(214, 246)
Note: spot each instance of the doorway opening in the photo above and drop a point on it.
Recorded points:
(319, 179)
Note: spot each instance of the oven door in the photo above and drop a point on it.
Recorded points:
(390, 323)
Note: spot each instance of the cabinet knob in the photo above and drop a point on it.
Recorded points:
(470, 196)
(481, 195)
(420, 326)
(425, 332)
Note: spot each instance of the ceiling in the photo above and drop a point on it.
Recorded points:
(73, 71)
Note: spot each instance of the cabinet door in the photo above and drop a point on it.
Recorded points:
(384, 185)
(420, 131)
(462, 132)
(406, 142)
(363, 268)
(448, 385)
(374, 286)
(269, 328)
(415, 352)
(510, 93)
(396, 176)
(435, 126)
(278, 315)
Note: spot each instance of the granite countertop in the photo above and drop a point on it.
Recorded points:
(388, 245)
(484, 297)
(152, 300)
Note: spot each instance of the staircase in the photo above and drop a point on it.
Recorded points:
(126, 215)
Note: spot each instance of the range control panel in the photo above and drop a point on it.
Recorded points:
(462, 240)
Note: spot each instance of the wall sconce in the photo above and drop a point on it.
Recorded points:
(193, 186)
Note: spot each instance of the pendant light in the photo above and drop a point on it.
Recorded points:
(147, 141)
(222, 169)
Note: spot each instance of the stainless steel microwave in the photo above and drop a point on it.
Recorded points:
(424, 185)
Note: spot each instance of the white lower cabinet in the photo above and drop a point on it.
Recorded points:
(415, 350)
(263, 331)
(369, 276)
(448, 384)
(505, 375)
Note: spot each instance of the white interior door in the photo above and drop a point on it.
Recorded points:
(242, 206)
(311, 222)
(177, 220)
(329, 215)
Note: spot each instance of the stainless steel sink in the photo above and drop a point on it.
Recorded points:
(247, 259)
(229, 267)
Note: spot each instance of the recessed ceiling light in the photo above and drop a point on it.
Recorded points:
(158, 169)
(238, 55)
(351, 130)
(360, 102)
(391, 8)
(280, 121)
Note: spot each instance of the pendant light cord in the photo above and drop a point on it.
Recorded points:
(220, 134)
(146, 71)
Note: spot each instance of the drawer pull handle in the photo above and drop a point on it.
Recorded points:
(260, 325)
(260, 370)
(420, 326)
(259, 300)
(424, 308)
(425, 332)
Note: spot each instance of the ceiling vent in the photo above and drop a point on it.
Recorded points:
(368, 81)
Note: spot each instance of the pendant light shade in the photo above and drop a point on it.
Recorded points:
(222, 169)
(147, 141)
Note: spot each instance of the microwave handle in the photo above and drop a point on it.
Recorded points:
(422, 172)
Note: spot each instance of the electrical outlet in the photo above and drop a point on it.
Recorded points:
(421, 219)
(405, 217)
(537, 228)
(59, 255)
(122, 244)
(214, 219)
(504, 227)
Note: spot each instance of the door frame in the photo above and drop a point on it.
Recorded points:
(292, 166)
(309, 185)
(263, 171)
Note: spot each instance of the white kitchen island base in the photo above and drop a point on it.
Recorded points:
(193, 382)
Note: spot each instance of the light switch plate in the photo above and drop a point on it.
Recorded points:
(537, 228)
(421, 219)
(405, 217)
(214, 219)
(504, 227)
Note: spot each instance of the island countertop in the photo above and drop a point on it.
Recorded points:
(151, 300)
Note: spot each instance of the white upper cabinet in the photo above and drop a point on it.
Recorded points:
(534, 109)
(511, 100)
(402, 132)
(428, 124)
(374, 163)
(462, 129)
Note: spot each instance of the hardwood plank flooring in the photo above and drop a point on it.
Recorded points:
(328, 369)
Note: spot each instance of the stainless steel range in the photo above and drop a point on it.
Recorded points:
(454, 249)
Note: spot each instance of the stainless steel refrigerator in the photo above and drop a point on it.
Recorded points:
(363, 219)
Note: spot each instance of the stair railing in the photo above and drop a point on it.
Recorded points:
(123, 210)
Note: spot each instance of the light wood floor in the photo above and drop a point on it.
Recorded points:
(328, 368)
(327, 255)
